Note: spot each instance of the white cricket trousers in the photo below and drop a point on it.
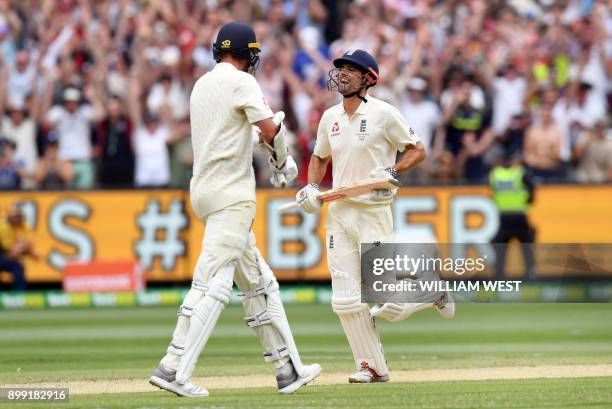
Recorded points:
(349, 225)
(227, 239)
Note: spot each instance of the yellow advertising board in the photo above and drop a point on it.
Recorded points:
(158, 229)
(106, 226)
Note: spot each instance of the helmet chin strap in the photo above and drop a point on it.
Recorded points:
(352, 94)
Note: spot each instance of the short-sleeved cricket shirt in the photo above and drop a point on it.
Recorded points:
(370, 138)
(223, 105)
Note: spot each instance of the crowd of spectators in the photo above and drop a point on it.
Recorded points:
(95, 93)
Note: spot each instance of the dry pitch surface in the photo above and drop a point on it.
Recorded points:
(258, 381)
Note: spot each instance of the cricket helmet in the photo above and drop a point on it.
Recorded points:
(238, 39)
(362, 60)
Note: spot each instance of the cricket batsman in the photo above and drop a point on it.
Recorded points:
(361, 136)
(224, 105)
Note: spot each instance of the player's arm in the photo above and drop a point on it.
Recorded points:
(283, 169)
(403, 138)
(274, 137)
(317, 167)
(268, 129)
(249, 98)
(272, 131)
(413, 155)
(307, 196)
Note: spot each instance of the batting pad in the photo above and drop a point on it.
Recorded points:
(204, 319)
(257, 317)
(361, 333)
(392, 311)
(265, 313)
(176, 349)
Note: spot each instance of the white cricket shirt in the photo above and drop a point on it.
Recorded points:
(370, 138)
(223, 105)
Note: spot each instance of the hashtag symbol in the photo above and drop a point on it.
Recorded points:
(166, 245)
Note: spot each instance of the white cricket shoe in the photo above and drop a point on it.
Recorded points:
(445, 306)
(288, 381)
(165, 378)
(367, 375)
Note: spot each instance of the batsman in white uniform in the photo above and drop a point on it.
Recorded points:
(225, 104)
(361, 136)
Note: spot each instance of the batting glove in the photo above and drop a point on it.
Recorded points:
(278, 117)
(284, 176)
(306, 198)
(384, 195)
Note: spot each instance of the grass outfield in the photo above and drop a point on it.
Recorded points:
(542, 393)
(55, 346)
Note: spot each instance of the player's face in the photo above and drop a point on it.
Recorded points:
(349, 79)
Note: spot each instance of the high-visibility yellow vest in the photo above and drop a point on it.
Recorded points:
(471, 123)
(509, 192)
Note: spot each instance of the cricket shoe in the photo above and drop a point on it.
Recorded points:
(445, 305)
(288, 380)
(165, 379)
(367, 375)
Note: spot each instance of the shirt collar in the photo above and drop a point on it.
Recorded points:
(225, 66)
(362, 109)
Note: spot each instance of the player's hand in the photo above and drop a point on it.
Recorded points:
(284, 176)
(306, 198)
(383, 195)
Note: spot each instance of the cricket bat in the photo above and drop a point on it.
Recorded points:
(355, 189)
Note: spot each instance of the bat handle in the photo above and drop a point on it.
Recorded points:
(289, 206)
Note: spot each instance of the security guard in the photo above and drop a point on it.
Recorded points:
(512, 193)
